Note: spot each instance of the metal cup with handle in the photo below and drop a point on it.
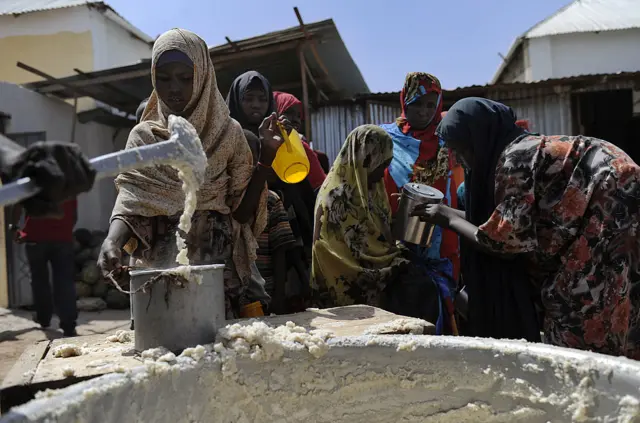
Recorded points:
(409, 228)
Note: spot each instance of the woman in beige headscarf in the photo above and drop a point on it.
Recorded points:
(150, 201)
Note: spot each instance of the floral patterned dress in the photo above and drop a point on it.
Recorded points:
(355, 257)
(572, 205)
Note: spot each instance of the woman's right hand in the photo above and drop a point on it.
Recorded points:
(110, 259)
(270, 138)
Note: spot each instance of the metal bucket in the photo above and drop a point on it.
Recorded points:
(409, 228)
(366, 379)
(178, 317)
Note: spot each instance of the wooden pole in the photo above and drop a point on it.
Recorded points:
(312, 46)
(305, 95)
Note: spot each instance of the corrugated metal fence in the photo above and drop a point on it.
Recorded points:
(547, 108)
(330, 125)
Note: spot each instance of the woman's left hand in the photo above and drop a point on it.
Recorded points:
(288, 126)
(438, 214)
(270, 138)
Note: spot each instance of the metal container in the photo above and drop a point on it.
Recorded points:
(178, 317)
(409, 228)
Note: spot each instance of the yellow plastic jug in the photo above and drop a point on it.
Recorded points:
(291, 163)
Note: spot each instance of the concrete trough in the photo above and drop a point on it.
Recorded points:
(385, 378)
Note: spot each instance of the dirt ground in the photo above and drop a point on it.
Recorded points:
(18, 331)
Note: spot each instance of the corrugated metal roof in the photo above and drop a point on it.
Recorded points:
(13, 7)
(589, 16)
(275, 55)
(453, 94)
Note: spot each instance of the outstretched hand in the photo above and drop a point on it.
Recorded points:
(438, 214)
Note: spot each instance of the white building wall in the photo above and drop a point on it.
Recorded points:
(72, 19)
(113, 45)
(33, 112)
(566, 55)
(540, 59)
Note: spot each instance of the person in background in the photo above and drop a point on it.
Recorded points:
(250, 100)
(150, 201)
(420, 156)
(289, 107)
(49, 241)
(355, 256)
(299, 199)
(59, 169)
(273, 243)
(324, 161)
(549, 217)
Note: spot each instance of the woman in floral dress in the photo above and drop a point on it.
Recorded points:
(565, 211)
(355, 258)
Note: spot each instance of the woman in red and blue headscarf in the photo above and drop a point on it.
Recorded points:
(420, 156)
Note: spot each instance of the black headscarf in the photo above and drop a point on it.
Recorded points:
(501, 303)
(236, 93)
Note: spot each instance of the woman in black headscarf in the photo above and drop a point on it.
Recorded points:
(553, 217)
(250, 100)
(500, 303)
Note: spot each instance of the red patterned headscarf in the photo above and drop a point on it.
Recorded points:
(523, 123)
(284, 101)
(416, 85)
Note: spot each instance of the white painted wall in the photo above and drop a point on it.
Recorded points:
(72, 19)
(113, 45)
(33, 112)
(561, 56)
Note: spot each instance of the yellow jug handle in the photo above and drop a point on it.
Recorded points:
(285, 136)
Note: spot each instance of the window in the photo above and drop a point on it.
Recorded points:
(25, 139)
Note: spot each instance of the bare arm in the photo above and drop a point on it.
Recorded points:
(119, 233)
(449, 218)
(247, 208)
(270, 142)
(461, 214)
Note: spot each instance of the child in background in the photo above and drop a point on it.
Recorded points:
(274, 242)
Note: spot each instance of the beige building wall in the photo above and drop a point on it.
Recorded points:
(55, 54)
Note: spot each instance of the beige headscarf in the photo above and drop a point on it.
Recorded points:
(156, 191)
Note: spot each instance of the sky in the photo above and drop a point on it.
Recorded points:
(459, 41)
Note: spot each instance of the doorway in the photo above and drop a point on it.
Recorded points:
(608, 115)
